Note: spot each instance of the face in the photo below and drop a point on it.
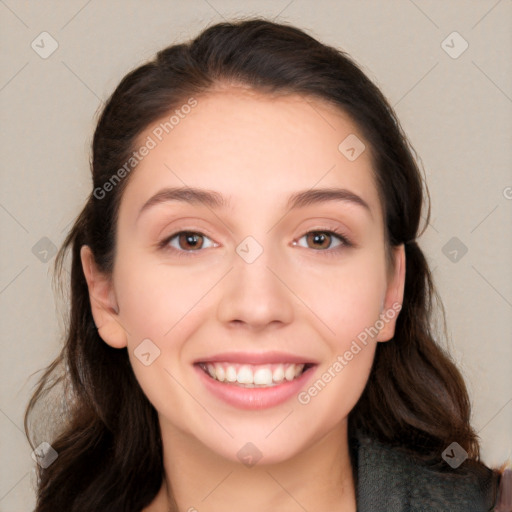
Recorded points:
(257, 303)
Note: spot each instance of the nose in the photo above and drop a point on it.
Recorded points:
(256, 295)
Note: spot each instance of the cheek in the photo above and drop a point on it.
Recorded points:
(349, 304)
(345, 299)
(337, 388)
(155, 301)
(158, 301)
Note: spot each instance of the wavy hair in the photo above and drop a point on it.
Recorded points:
(107, 433)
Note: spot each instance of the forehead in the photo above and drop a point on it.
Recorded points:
(252, 147)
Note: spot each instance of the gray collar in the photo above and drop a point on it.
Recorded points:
(390, 479)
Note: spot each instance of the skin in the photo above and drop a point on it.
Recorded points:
(256, 150)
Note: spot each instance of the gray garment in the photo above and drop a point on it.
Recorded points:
(388, 479)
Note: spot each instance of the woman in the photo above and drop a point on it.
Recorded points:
(250, 322)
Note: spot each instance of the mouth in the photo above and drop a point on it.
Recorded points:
(254, 381)
(246, 375)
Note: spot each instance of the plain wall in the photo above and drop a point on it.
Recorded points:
(456, 112)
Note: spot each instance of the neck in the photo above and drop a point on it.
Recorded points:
(318, 478)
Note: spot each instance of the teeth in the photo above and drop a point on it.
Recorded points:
(263, 376)
(278, 374)
(230, 374)
(289, 373)
(220, 374)
(211, 370)
(247, 375)
(244, 375)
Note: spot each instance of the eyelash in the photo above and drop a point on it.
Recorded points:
(345, 242)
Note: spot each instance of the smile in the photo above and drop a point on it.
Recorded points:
(254, 381)
(254, 376)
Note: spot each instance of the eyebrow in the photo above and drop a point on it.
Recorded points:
(215, 200)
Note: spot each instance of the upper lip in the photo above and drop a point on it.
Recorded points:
(255, 358)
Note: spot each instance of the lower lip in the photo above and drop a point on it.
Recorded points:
(254, 398)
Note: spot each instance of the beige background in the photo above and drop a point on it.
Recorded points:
(456, 111)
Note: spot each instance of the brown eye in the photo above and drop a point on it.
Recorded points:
(326, 241)
(187, 240)
(319, 239)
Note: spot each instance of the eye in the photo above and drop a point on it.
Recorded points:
(323, 240)
(186, 241)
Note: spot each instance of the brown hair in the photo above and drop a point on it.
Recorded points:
(108, 443)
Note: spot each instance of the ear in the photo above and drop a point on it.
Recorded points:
(105, 310)
(393, 300)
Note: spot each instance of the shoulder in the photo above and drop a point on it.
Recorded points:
(392, 479)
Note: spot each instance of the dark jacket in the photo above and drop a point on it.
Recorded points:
(388, 479)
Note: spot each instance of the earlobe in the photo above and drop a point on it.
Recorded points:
(104, 307)
(394, 296)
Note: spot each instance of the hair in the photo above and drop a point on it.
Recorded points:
(107, 435)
